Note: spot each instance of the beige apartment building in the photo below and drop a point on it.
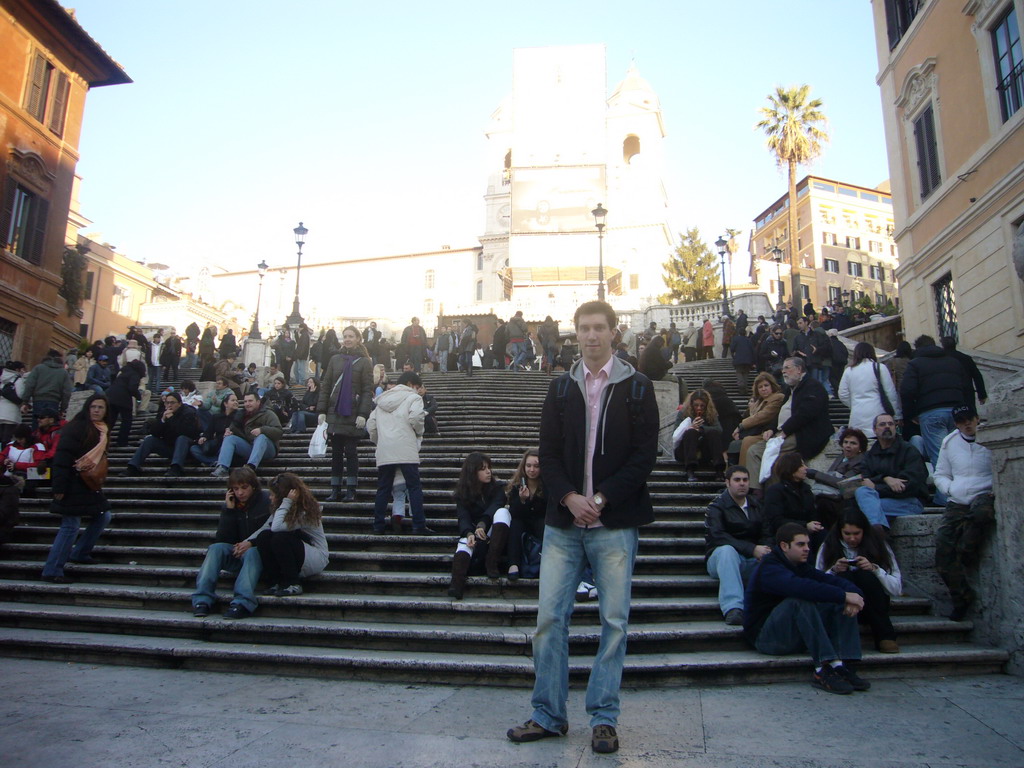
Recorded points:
(952, 86)
(844, 241)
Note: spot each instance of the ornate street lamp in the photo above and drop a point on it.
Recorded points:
(777, 254)
(599, 215)
(846, 298)
(294, 320)
(721, 244)
(254, 332)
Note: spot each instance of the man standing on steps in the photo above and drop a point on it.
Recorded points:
(414, 340)
(598, 445)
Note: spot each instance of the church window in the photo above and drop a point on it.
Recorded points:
(428, 279)
(630, 148)
(479, 290)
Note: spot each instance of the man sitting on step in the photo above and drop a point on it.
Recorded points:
(792, 607)
(254, 441)
(246, 509)
(803, 420)
(170, 435)
(894, 476)
(736, 538)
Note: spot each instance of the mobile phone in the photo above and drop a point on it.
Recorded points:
(523, 481)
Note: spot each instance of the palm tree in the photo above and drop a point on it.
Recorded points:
(795, 127)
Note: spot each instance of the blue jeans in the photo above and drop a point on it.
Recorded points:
(935, 425)
(302, 420)
(301, 371)
(612, 553)
(518, 354)
(261, 448)
(466, 360)
(821, 374)
(153, 444)
(877, 510)
(206, 454)
(732, 571)
(190, 360)
(797, 625)
(65, 539)
(154, 378)
(246, 570)
(416, 357)
(386, 481)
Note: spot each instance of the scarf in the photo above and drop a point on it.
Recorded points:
(89, 460)
(343, 405)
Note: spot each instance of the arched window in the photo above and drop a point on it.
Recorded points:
(479, 290)
(630, 147)
(480, 262)
(428, 279)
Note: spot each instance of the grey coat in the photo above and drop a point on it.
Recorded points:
(362, 395)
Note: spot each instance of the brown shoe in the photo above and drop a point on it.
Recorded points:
(888, 646)
(604, 740)
(531, 730)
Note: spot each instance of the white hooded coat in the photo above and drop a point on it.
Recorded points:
(396, 426)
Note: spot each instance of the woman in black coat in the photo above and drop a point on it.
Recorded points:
(122, 394)
(483, 522)
(208, 346)
(83, 445)
(791, 500)
(653, 363)
(527, 504)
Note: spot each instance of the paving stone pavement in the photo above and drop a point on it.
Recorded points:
(88, 716)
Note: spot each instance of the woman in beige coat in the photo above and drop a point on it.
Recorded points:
(765, 401)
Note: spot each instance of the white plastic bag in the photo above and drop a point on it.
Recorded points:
(677, 436)
(771, 454)
(318, 442)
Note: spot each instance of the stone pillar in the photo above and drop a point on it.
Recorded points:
(667, 394)
(255, 351)
(1000, 607)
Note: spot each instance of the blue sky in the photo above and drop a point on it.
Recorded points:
(365, 120)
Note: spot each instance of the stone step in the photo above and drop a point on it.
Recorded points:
(412, 665)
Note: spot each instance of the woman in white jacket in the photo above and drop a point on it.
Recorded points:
(862, 386)
(10, 411)
(292, 543)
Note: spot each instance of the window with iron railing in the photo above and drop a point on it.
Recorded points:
(1009, 63)
(945, 307)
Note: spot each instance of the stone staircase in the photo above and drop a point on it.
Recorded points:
(380, 611)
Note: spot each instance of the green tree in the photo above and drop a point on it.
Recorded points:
(72, 268)
(795, 129)
(691, 273)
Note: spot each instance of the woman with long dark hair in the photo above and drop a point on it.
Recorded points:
(483, 522)
(77, 488)
(527, 504)
(791, 500)
(346, 398)
(854, 550)
(304, 415)
(867, 388)
(292, 543)
(701, 444)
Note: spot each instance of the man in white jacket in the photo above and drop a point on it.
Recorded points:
(396, 427)
(964, 474)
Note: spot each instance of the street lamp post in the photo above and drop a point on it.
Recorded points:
(254, 332)
(294, 320)
(777, 254)
(846, 298)
(721, 244)
(599, 215)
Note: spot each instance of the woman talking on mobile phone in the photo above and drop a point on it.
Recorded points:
(527, 504)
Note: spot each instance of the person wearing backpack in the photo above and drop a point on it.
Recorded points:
(12, 395)
(598, 445)
(47, 386)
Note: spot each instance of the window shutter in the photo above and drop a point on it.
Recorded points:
(59, 104)
(37, 225)
(36, 101)
(7, 213)
(933, 148)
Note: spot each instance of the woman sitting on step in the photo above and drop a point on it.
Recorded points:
(304, 415)
(292, 544)
(527, 504)
(854, 550)
(483, 522)
(206, 448)
(766, 400)
(701, 444)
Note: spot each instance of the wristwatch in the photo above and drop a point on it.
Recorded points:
(599, 499)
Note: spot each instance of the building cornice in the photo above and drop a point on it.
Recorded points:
(920, 82)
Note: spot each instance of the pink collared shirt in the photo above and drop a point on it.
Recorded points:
(596, 385)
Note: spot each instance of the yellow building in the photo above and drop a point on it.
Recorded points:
(952, 83)
(844, 240)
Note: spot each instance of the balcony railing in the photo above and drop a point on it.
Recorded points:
(1011, 91)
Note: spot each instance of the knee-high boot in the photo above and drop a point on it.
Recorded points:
(460, 569)
(496, 549)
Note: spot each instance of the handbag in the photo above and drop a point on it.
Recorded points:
(93, 478)
(886, 405)
(529, 568)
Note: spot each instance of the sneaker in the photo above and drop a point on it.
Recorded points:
(850, 675)
(604, 739)
(220, 471)
(734, 617)
(290, 591)
(830, 681)
(531, 730)
(237, 611)
(200, 610)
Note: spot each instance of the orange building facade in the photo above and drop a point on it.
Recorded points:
(48, 63)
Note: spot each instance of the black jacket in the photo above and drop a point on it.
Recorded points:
(238, 524)
(742, 349)
(125, 387)
(185, 422)
(809, 420)
(900, 460)
(770, 344)
(726, 524)
(788, 502)
(973, 373)
(933, 380)
(480, 510)
(78, 499)
(775, 578)
(624, 453)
